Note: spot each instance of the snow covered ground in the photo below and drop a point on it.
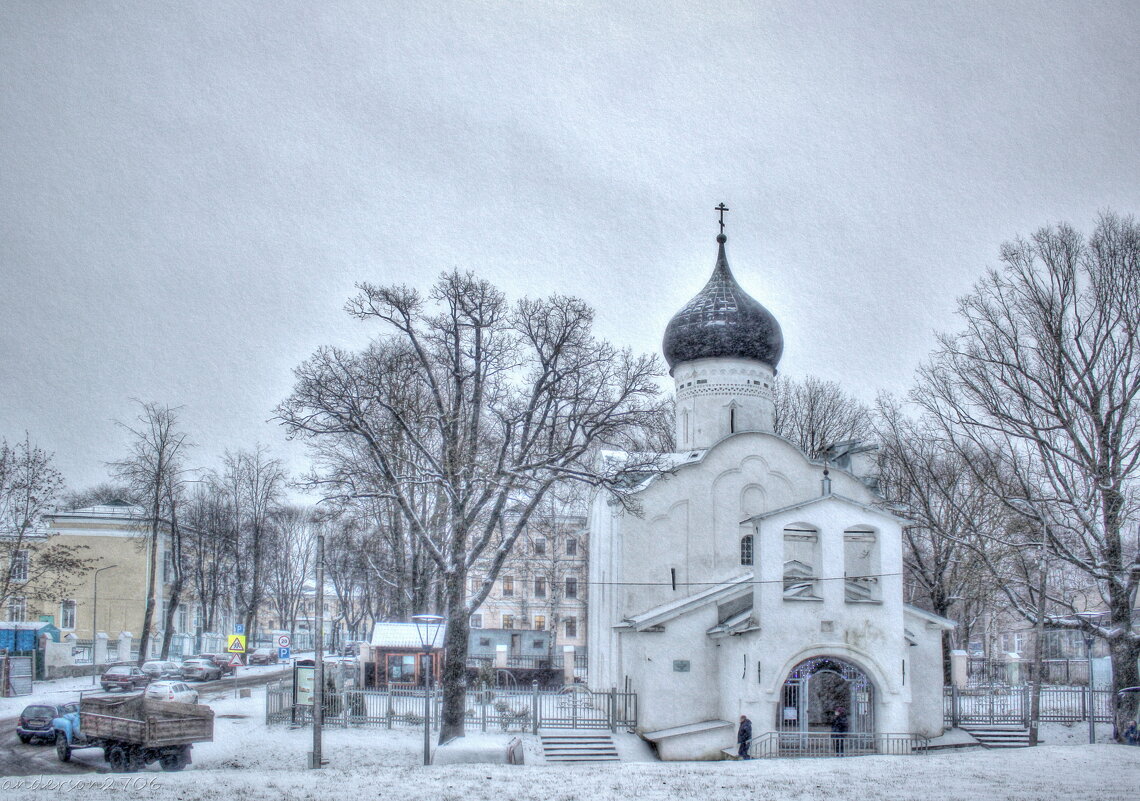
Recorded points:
(251, 762)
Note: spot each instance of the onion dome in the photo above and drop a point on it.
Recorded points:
(723, 321)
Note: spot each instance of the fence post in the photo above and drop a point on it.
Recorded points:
(483, 707)
(1025, 706)
(534, 711)
(613, 710)
(955, 713)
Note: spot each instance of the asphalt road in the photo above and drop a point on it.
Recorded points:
(33, 759)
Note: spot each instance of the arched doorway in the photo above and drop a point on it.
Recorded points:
(817, 687)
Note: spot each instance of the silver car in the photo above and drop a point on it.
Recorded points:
(162, 670)
(178, 691)
(200, 670)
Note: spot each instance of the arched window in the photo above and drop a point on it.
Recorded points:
(746, 549)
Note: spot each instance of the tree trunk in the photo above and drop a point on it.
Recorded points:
(148, 615)
(1124, 652)
(455, 659)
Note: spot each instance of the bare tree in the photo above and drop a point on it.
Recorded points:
(253, 482)
(292, 548)
(153, 472)
(952, 513)
(34, 567)
(506, 402)
(817, 414)
(208, 532)
(1046, 374)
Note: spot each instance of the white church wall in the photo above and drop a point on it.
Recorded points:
(718, 397)
(669, 696)
(926, 678)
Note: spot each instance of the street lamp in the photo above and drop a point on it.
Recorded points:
(1089, 640)
(95, 621)
(427, 626)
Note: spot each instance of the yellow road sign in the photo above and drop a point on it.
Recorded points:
(236, 644)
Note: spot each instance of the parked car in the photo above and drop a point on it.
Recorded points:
(352, 647)
(263, 656)
(162, 670)
(178, 691)
(31, 724)
(125, 677)
(200, 670)
(221, 660)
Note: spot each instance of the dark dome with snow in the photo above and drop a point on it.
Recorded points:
(723, 321)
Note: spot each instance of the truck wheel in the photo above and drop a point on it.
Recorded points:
(118, 759)
(171, 762)
(62, 747)
(136, 759)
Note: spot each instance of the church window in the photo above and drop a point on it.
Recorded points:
(685, 427)
(702, 380)
(860, 565)
(801, 562)
(732, 420)
(673, 578)
(746, 549)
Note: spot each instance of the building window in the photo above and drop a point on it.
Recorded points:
(540, 622)
(67, 615)
(571, 627)
(540, 586)
(538, 645)
(746, 549)
(183, 617)
(17, 609)
(167, 567)
(508, 586)
(401, 667)
(19, 567)
(540, 547)
(571, 546)
(484, 642)
(197, 617)
(476, 621)
(571, 588)
(508, 621)
(801, 560)
(860, 565)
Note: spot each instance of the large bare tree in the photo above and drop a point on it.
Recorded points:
(475, 408)
(1046, 374)
(154, 474)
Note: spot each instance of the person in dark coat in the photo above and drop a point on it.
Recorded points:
(744, 737)
(839, 729)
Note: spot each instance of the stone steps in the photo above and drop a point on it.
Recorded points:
(577, 748)
(996, 736)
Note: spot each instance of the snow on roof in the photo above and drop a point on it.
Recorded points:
(659, 614)
(403, 635)
(830, 496)
(110, 509)
(930, 617)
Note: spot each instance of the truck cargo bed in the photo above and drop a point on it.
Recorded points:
(145, 722)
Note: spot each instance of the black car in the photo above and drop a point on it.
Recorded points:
(35, 721)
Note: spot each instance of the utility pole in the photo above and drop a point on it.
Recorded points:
(319, 673)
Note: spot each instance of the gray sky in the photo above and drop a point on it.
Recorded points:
(190, 190)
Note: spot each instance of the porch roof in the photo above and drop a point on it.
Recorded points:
(403, 635)
(659, 614)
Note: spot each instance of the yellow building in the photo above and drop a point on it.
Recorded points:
(116, 537)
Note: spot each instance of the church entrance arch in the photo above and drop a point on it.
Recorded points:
(817, 687)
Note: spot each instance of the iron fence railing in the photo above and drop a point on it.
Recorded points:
(993, 705)
(827, 744)
(490, 709)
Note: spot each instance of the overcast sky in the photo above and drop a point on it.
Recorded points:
(190, 190)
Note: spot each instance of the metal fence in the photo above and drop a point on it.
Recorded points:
(993, 705)
(824, 744)
(1063, 672)
(488, 710)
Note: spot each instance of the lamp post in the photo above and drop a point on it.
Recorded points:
(95, 621)
(427, 627)
(1090, 638)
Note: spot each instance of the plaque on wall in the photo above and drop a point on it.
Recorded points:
(681, 665)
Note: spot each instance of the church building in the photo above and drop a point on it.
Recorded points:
(755, 581)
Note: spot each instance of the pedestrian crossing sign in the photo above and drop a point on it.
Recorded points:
(236, 644)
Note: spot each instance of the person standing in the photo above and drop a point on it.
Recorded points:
(839, 729)
(744, 737)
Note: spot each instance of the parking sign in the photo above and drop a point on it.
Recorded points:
(283, 653)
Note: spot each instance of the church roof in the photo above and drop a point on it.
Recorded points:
(831, 495)
(723, 321)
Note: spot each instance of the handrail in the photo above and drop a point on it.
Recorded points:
(817, 744)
